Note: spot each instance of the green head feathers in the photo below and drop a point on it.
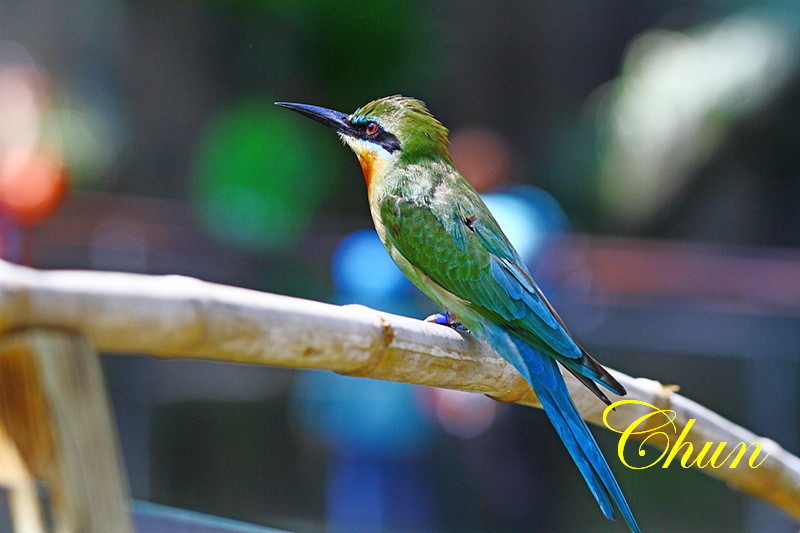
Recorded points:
(419, 134)
(397, 125)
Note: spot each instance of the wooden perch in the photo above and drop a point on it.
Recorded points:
(58, 429)
(174, 316)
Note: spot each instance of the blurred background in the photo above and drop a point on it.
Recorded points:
(643, 156)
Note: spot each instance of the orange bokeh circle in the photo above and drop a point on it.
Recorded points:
(32, 185)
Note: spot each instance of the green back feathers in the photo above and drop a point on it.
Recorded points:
(421, 136)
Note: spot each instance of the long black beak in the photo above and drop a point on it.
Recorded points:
(333, 119)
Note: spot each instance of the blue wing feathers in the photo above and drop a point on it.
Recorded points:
(543, 374)
(506, 281)
(572, 441)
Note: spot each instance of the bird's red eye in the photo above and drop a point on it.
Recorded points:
(372, 128)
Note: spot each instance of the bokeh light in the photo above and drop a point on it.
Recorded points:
(32, 184)
(363, 269)
(257, 182)
(675, 102)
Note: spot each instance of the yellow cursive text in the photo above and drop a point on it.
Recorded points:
(654, 425)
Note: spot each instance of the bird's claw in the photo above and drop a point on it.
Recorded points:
(447, 319)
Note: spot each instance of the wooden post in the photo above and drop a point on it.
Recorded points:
(23, 500)
(56, 427)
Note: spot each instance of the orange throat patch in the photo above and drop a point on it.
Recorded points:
(374, 162)
(368, 165)
(366, 168)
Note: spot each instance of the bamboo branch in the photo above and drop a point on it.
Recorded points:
(175, 317)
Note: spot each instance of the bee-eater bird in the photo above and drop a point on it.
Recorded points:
(443, 237)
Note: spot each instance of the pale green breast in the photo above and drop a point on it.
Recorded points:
(419, 204)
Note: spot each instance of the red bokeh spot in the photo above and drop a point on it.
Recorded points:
(32, 185)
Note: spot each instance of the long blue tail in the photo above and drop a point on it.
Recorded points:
(542, 373)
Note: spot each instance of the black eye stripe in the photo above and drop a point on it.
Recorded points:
(385, 139)
(381, 137)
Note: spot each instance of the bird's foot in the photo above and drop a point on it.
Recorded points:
(447, 319)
